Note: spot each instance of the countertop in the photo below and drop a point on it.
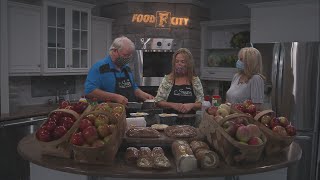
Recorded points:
(29, 111)
(31, 150)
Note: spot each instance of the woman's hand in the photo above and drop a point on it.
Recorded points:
(186, 107)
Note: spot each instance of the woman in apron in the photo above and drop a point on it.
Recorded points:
(181, 91)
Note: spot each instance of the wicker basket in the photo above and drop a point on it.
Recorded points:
(276, 143)
(105, 154)
(60, 147)
(231, 150)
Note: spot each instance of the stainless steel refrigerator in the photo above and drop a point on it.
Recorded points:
(293, 73)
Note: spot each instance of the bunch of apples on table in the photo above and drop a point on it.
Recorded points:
(279, 125)
(59, 122)
(219, 112)
(95, 130)
(244, 132)
(246, 107)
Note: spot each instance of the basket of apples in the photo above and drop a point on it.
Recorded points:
(53, 135)
(279, 131)
(99, 134)
(246, 107)
(237, 139)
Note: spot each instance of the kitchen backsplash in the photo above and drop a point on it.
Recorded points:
(32, 90)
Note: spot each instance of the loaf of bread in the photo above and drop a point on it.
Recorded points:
(195, 145)
(184, 157)
(145, 152)
(145, 160)
(157, 151)
(143, 132)
(160, 161)
(132, 155)
(181, 131)
(207, 158)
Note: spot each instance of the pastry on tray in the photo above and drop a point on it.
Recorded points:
(143, 132)
(181, 131)
(132, 155)
(159, 127)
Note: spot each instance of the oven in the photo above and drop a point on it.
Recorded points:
(152, 60)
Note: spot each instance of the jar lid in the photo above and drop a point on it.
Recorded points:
(216, 96)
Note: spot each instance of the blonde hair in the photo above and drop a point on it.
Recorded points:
(189, 61)
(252, 60)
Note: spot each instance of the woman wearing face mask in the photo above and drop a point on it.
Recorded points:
(248, 83)
(112, 79)
(181, 91)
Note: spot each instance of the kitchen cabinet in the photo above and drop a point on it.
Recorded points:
(101, 38)
(24, 24)
(66, 37)
(218, 52)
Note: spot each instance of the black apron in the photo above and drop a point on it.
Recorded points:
(124, 86)
(181, 94)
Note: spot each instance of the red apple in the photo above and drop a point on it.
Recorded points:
(44, 135)
(291, 130)
(212, 110)
(247, 103)
(80, 106)
(265, 119)
(251, 109)
(283, 121)
(68, 122)
(254, 130)
(64, 104)
(58, 132)
(241, 121)
(77, 139)
(231, 129)
(280, 130)
(274, 122)
(91, 117)
(240, 107)
(255, 141)
(104, 130)
(84, 123)
(243, 134)
(90, 134)
(50, 125)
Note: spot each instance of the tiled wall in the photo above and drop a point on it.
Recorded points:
(27, 90)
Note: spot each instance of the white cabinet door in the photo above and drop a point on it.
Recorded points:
(24, 38)
(66, 37)
(101, 38)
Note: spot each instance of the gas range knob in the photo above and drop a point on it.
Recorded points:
(159, 43)
(169, 44)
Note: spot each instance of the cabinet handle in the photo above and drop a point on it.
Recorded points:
(38, 65)
(67, 65)
(70, 65)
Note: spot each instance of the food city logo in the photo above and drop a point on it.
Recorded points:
(162, 19)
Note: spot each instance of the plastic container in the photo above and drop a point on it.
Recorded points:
(136, 122)
(168, 119)
(206, 103)
(216, 100)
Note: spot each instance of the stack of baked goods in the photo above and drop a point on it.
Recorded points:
(145, 158)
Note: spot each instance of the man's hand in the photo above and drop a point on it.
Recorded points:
(121, 99)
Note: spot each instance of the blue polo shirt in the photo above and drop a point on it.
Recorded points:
(101, 76)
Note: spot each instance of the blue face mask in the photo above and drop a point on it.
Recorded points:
(240, 65)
